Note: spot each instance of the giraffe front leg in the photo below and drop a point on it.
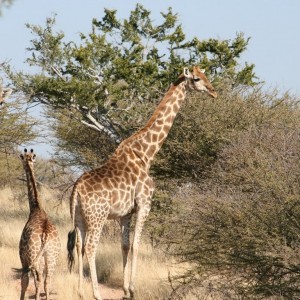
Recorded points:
(141, 218)
(125, 245)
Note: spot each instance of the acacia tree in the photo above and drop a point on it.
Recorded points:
(110, 80)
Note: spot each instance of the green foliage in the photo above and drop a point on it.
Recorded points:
(115, 75)
(240, 221)
(84, 144)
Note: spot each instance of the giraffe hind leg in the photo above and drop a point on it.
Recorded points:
(24, 283)
(93, 229)
(50, 263)
(79, 247)
(38, 278)
(90, 249)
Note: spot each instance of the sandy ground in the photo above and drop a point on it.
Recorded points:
(107, 293)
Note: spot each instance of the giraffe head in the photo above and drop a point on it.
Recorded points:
(199, 82)
(4, 94)
(28, 158)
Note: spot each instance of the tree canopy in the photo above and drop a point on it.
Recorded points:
(233, 215)
(112, 78)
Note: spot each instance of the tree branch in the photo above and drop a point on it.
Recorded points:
(96, 125)
(101, 124)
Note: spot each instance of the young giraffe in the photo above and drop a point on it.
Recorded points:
(122, 186)
(40, 244)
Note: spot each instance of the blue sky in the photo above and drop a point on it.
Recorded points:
(273, 25)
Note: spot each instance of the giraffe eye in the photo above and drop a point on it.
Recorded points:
(196, 79)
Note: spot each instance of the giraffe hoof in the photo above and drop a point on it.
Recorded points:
(128, 297)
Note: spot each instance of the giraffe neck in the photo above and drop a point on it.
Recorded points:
(148, 140)
(33, 197)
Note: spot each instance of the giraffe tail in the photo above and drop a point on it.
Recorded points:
(70, 247)
(73, 202)
(72, 234)
(21, 270)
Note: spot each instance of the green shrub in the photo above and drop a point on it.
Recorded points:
(241, 220)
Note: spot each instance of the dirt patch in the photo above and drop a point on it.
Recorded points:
(107, 292)
(110, 293)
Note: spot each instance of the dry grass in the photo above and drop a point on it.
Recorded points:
(152, 268)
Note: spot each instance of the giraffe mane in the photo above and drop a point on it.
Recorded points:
(140, 133)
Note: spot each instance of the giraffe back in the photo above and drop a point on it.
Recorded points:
(117, 184)
(39, 238)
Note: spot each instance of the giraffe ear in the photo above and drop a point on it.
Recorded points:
(187, 73)
(202, 70)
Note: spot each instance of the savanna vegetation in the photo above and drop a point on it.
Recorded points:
(151, 284)
(227, 202)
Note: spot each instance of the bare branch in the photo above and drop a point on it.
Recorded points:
(109, 131)
(58, 73)
(97, 75)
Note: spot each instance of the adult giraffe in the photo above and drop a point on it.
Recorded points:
(39, 244)
(122, 186)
